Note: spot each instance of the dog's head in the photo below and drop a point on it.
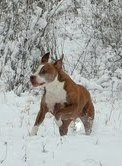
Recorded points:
(46, 72)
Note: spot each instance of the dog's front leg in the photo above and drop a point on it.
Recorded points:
(63, 129)
(39, 119)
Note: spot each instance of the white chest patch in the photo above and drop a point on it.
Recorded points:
(55, 93)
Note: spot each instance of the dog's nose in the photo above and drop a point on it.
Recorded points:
(32, 77)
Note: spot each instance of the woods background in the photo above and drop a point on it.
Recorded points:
(88, 32)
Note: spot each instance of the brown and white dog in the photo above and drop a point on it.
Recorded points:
(62, 97)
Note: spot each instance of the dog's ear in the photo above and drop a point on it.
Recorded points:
(45, 58)
(59, 62)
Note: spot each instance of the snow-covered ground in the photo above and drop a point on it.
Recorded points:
(82, 31)
(102, 148)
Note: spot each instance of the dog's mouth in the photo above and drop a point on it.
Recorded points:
(41, 83)
(35, 84)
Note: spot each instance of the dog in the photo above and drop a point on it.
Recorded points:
(62, 97)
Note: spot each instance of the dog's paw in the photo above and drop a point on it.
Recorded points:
(34, 131)
(58, 122)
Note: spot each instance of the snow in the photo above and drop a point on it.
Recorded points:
(73, 28)
(102, 148)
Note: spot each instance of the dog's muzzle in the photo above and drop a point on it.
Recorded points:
(34, 81)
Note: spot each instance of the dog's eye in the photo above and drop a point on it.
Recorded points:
(43, 71)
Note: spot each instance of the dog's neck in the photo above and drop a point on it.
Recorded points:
(55, 85)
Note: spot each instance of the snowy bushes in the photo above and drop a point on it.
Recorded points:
(107, 23)
(88, 34)
(22, 32)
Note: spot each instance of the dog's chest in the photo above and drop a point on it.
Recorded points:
(55, 93)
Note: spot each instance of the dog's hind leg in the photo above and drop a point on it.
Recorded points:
(87, 117)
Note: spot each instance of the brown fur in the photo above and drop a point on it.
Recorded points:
(78, 103)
